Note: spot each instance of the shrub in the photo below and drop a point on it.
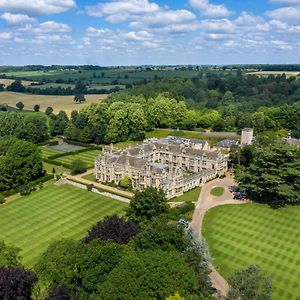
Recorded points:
(126, 183)
(89, 187)
(78, 167)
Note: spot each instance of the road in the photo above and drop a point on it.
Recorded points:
(207, 201)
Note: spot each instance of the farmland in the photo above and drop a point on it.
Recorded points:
(275, 73)
(256, 234)
(58, 103)
(33, 222)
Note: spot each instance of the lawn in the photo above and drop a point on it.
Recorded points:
(87, 157)
(191, 195)
(217, 191)
(34, 221)
(239, 235)
(46, 152)
(91, 177)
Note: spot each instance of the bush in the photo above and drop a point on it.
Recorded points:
(2, 199)
(126, 183)
(78, 167)
(89, 187)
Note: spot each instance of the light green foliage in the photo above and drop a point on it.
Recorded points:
(147, 204)
(9, 256)
(153, 275)
(126, 183)
(33, 222)
(240, 235)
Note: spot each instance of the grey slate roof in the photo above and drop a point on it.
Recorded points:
(227, 143)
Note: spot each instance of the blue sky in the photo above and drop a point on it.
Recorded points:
(135, 32)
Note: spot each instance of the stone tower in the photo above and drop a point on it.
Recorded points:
(247, 136)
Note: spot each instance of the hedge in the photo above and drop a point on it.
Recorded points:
(54, 156)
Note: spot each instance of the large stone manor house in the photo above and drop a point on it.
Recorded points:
(173, 164)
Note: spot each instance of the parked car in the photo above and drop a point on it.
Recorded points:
(183, 222)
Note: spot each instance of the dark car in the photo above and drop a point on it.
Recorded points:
(183, 222)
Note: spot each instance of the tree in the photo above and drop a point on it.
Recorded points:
(176, 296)
(273, 175)
(58, 293)
(20, 105)
(49, 111)
(78, 167)
(150, 275)
(113, 228)
(147, 204)
(58, 123)
(79, 98)
(126, 183)
(158, 234)
(21, 163)
(16, 86)
(16, 283)
(36, 108)
(9, 256)
(249, 284)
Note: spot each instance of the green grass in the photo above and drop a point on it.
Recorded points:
(46, 152)
(91, 177)
(87, 157)
(217, 191)
(191, 195)
(53, 213)
(239, 235)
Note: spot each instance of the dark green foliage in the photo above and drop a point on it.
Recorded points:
(147, 204)
(9, 256)
(21, 163)
(36, 108)
(30, 127)
(16, 86)
(249, 284)
(79, 98)
(58, 123)
(158, 234)
(126, 183)
(113, 228)
(78, 167)
(79, 267)
(150, 275)
(59, 293)
(49, 111)
(16, 283)
(273, 175)
(20, 105)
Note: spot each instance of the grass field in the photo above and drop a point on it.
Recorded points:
(58, 103)
(191, 195)
(217, 191)
(34, 221)
(239, 235)
(87, 157)
(91, 177)
(46, 152)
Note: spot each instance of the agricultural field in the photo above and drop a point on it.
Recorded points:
(239, 235)
(275, 73)
(58, 103)
(7, 82)
(33, 222)
(87, 157)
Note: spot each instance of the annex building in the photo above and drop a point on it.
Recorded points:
(173, 164)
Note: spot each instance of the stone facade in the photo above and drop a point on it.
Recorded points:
(174, 164)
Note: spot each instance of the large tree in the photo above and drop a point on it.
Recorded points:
(9, 256)
(273, 176)
(147, 204)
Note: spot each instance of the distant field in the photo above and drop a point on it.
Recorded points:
(239, 235)
(267, 73)
(58, 103)
(87, 157)
(33, 222)
(7, 82)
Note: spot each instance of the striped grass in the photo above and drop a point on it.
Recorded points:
(33, 222)
(46, 152)
(87, 157)
(239, 235)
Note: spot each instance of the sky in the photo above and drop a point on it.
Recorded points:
(149, 32)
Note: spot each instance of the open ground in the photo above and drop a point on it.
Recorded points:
(33, 222)
(275, 73)
(58, 103)
(256, 234)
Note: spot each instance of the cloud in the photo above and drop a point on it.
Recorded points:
(286, 2)
(210, 10)
(119, 11)
(14, 19)
(285, 13)
(36, 7)
(46, 27)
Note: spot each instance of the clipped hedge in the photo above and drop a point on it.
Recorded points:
(57, 163)
(54, 156)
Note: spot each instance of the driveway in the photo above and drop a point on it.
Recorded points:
(207, 201)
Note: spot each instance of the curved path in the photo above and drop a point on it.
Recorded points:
(205, 202)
